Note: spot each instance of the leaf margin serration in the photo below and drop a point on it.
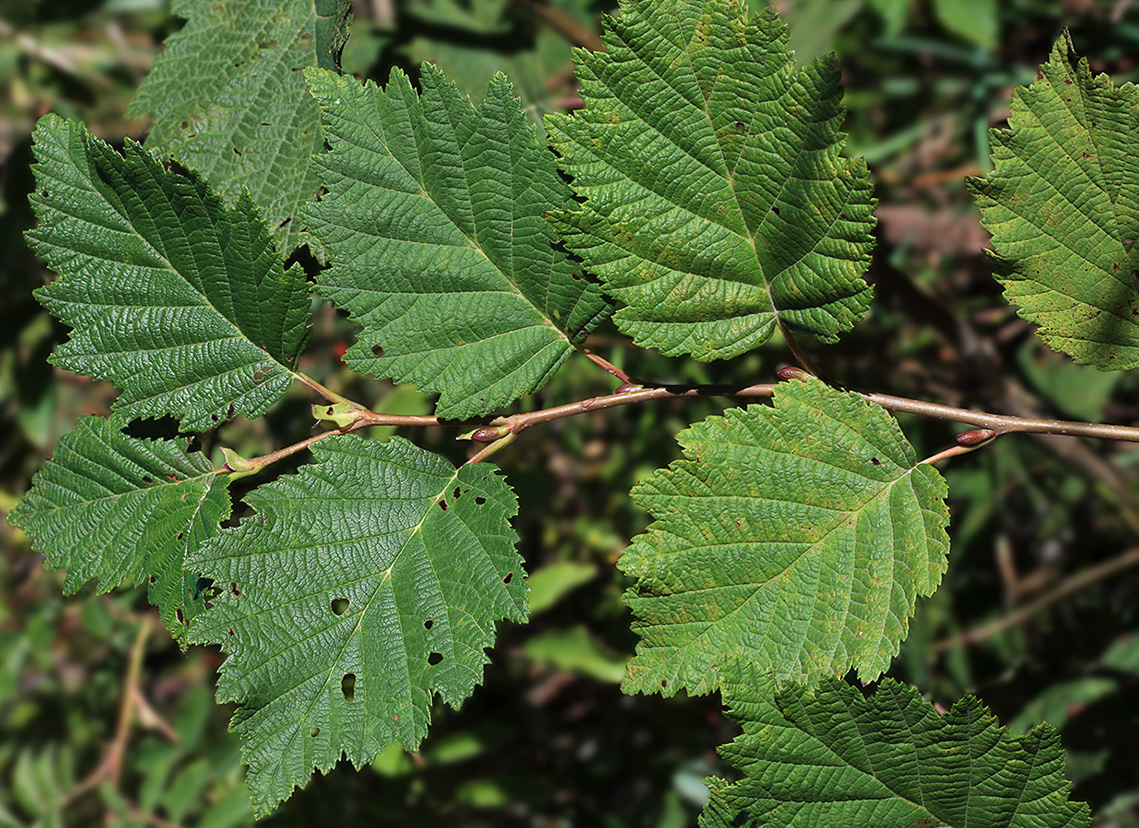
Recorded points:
(796, 738)
(466, 488)
(669, 570)
(249, 91)
(98, 454)
(110, 257)
(506, 337)
(659, 298)
(1068, 296)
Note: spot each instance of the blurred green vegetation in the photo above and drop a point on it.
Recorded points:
(103, 720)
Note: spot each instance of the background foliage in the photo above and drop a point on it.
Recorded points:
(549, 740)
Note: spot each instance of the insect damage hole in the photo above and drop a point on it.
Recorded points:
(509, 577)
(348, 686)
(434, 658)
(429, 623)
(377, 351)
(874, 461)
(339, 606)
(480, 500)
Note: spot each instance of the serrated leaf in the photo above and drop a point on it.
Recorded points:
(178, 300)
(798, 536)
(434, 222)
(829, 756)
(229, 101)
(716, 203)
(361, 586)
(1062, 203)
(122, 510)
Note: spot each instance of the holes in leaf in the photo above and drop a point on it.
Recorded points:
(44, 193)
(148, 480)
(314, 732)
(775, 210)
(443, 505)
(874, 461)
(664, 682)
(509, 577)
(234, 589)
(215, 417)
(377, 351)
(455, 494)
(480, 500)
(429, 623)
(741, 128)
(229, 412)
(434, 658)
(339, 606)
(348, 686)
(576, 277)
(180, 616)
(179, 536)
(153, 579)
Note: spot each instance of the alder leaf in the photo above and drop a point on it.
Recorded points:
(1062, 203)
(178, 300)
(123, 510)
(798, 536)
(361, 586)
(229, 100)
(434, 222)
(716, 202)
(830, 756)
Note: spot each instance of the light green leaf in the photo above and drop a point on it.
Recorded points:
(829, 756)
(434, 222)
(1062, 204)
(360, 587)
(229, 101)
(178, 300)
(716, 202)
(574, 650)
(977, 21)
(123, 510)
(797, 536)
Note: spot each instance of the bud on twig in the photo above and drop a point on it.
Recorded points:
(791, 372)
(975, 437)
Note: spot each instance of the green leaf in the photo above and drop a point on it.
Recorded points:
(123, 510)
(229, 101)
(363, 585)
(716, 203)
(178, 300)
(977, 21)
(829, 756)
(434, 222)
(798, 536)
(1062, 204)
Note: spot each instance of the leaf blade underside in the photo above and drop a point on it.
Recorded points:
(716, 203)
(179, 301)
(829, 756)
(229, 101)
(122, 510)
(1062, 205)
(774, 543)
(379, 561)
(434, 222)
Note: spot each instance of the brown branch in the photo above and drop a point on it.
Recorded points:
(512, 424)
(1072, 584)
(110, 767)
(564, 24)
